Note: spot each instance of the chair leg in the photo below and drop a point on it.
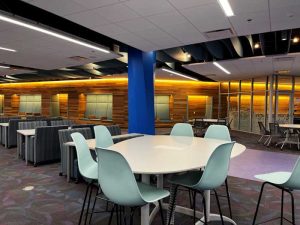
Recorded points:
(228, 198)
(194, 205)
(282, 202)
(172, 204)
(204, 209)
(219, 206)
(93, 208)
(111, 215)
(83, 204)
(161, 213)
(258, 203)
(293, 206)
(88, 206)
(132, 210)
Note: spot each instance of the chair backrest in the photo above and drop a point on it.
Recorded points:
(103, 137)
(218, 132)
(273, 128)
(198, 123)
(91, 126)
(294, 181)
(116, 179)
(262, 128)
(84, 157)
(13, 126)
(216, 169)
(61, 122)
(182, 129)
(31, 125)
(114, 129)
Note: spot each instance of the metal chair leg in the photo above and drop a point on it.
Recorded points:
(88, 206)
(219, 206)
(82, 209)
(161, 213)
(194, 206)
(293, 206)
(228, 198)
(93, 208)
(258, 203)
(204, 209)
(111, 215)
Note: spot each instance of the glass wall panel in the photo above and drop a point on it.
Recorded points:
(246, 86)
(284, 83)
(283, 108)
(259, 84)
(224, 87)
(234, 86)
(162, 107)
(223, 106)
(30, 104)
(233, 111)
(59, 105)
(99, 106)
(258, 114)
(245, 109)
(200, 106)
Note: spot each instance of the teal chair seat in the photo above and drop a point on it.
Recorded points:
(278, 178)
(152, 194)
(211, 178)
(120, 187)
(286, 182)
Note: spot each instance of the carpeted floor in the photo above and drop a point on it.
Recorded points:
(38, 195)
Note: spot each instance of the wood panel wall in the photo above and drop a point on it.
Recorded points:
(76, 97)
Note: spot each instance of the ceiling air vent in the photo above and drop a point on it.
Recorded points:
(219, 34)
(78, 58)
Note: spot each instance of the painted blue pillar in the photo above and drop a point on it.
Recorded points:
(141, 67)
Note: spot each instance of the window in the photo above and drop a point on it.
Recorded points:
(162, 107)
(30, 103)
(99, 106)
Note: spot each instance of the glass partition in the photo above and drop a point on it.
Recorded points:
(30, 104)
(59, 105)
(246, 86)
(245, 110)
(233, 111)
(258, 113)
(162, 107)
(284, 83)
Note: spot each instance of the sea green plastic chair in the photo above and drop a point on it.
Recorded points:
(182, 129)
(211, 178)
(286, 182)
(103, 137)
(119, 185)
(88, 168)
(220, 132)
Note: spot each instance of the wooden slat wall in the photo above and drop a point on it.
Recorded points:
(76, 95)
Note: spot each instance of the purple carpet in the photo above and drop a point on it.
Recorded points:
(253, 162)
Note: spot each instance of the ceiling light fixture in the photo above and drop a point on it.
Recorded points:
(51, 33)
(226, 7)
(221, 67)
(256, 45)
(284, 35)
(296, 40)
(5, 67)
(7, 49)
(179, 74)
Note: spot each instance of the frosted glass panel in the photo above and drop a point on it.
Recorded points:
(30, 103)
(162, 107)
(99, 106)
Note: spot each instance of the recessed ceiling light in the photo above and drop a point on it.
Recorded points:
(221, 67)
(179, 74)
(226, 7)
(5, 67)
(284, 35)
(7, 49)
(256, 45)
(296, 39)
(51, 33)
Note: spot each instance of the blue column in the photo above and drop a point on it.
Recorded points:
(141, 67)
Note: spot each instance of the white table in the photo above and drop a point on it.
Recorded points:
(27, 134)
(290, 126)
(162, 154)
(4, 129)
(92, 145)
(288, 138)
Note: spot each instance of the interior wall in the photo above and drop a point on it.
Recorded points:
(74, 97)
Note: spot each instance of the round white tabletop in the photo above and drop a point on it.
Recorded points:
(163, 154)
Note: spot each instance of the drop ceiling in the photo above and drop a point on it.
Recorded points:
(251, 67)
(40, 51)
(160, 24)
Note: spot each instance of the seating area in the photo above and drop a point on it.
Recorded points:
(148, 112)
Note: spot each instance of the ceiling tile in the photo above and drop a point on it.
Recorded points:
(180, 4)
(285, 17)
(207, 17)
(259, 23)
(147, 8)
(88, 19)
(56, 6)
(116, 13)
(246, 6)
(91, 4)
(138, 24)
(110, 30)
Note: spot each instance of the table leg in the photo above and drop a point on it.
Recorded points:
(5, 137)
(26, 148)
(19, 144)
(145, 210)
(68, 148)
